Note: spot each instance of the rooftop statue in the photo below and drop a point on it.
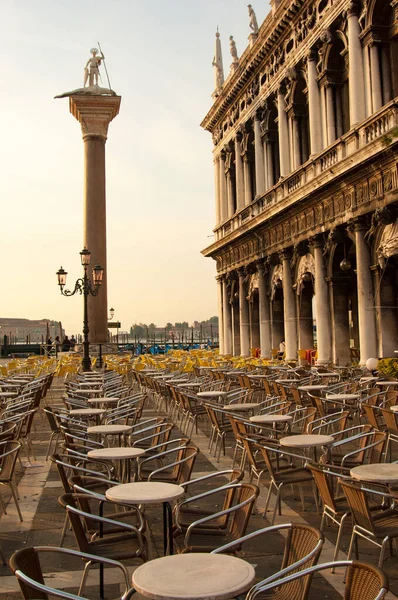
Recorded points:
(253, 19)
(91, 75)
(232, 49)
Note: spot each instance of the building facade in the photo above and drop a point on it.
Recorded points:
(305, 132)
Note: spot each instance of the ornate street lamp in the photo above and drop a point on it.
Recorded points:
(86, 287)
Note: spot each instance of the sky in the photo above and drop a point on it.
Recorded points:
(159, 168)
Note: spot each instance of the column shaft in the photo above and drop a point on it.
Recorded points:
(289, 309)
(217, 188)
(322, 309)
(220, 298)
(283, 133)
(247, 180)
(356, 79)
(377, 99)
(264, 310)
(227, 320)
(296, 143)
(230, 196)
(331, 123)
(259, 158)
(223, 190)
(366, 312)
(240, 185)
(314, 108)
(244, 325)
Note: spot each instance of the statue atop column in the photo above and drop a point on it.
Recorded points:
(234, 53)
(91, 70)
(91, 75)
(253, 19)
(218, 68)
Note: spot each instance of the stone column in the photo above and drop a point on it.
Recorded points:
(247, 179)
(264, 311)
(366, 312)
(283, 133)
(314, 106)
(322, 308)
(217, 187)
(94, 114)
(227, 314)
(223, 189)
(356, 78)
(296, 142)
(220, 298)
(330, 112)
(270, 179)
(368, 86)
(289, 308)
(243, 316)
(339, 287)
(240, 186)
(230, 195)
(259, 156)
(377, 98)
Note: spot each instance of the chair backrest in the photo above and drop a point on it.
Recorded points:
(27, 561)
(390, 420)
(77, 522)
(365, 582)
(371, 414)
(184, 470)
(358, 502)
(9, 451)
(324, 484)
(245, 496)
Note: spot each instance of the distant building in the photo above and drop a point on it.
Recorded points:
(31, 331)
(306, 183)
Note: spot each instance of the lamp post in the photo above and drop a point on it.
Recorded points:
(85, 287)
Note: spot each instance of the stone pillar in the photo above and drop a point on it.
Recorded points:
(217, 188)
(247, 179)
(386, 71)
(296, 142)
(314, 106)
(366, 312)
(356, 75)
(227, 314)
(244, 316)
(340, 324)
(223, 189)
(270, 178)
(264, 311)
(230, 195)
(289, 308)
(94, 114)
(377, 98)
(322, 308)
(259, 156)
(283, 133)
(220, 293)
(368, 86)
(330, 112)
(240, 186)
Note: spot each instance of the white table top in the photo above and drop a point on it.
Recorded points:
(386, 383)
(116, 453)
(110, 400)
(378, 472)
(81, 412)
(196, 576)
(109, 429)
(287, 381)
(212, 394)
(394, 408)
(347, 396)
(323, 374)
(314, 388)
(193, 384)
(8, 394)
(258, 376)
(241, 407)
(271, 419)
(307, 440)
(144, 492)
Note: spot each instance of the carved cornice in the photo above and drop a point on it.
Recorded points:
(94, 113)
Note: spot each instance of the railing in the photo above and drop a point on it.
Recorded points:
(291, 188)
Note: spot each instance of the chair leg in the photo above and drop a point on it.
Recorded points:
(84, 577)
(268, 498)
(383, 551)
(277, 504)
(337, 547)
(350, 549)
(16, 501)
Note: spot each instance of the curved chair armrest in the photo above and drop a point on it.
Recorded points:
(357, 451)
(250, 536)
(206, 477)
(170, 465)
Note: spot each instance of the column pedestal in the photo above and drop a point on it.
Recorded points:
(94, 114)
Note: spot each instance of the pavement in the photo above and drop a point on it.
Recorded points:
(39, 488)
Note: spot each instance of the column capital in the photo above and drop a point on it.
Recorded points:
(220, 278)
(353, 8)
(94, 113)
(317, 241)
(285, 254)
(312, 55)
(358, 224)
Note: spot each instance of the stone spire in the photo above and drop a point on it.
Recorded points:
(218, 67)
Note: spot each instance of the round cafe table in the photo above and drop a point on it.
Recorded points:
(306, 441)
(262, 419)
(312, 388)
(104, 400)
(394, 408)
(241, 407)
(376, 473)
(386, 383)
(105, 430)
(150, 492)
(121, 457)
(87, 412)
(343, 397)
(196, 576)
(212, 394)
